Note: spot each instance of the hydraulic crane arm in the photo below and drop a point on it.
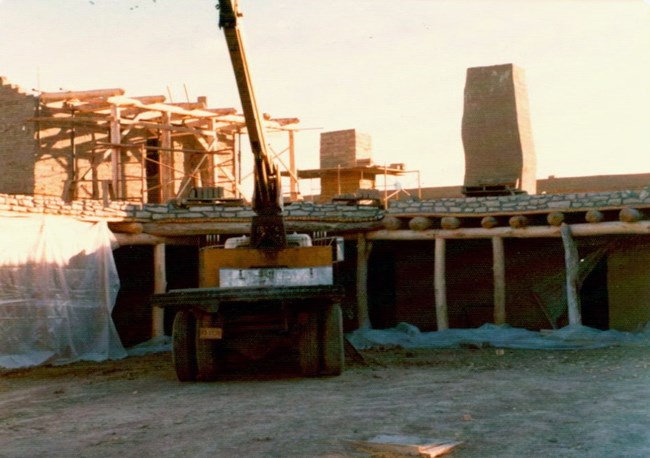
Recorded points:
(268, 223)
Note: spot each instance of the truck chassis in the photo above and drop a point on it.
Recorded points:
(211, 322)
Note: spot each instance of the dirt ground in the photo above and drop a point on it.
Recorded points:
(586, 403)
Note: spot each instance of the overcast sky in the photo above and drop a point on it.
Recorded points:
(392, 69)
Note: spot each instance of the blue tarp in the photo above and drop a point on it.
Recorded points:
(489, 335)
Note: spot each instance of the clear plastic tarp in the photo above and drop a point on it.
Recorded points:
(489, 335)
(58, 285)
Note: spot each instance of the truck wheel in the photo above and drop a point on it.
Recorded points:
(333, 350)
(210, 355)
(183, 345)
(308, 346)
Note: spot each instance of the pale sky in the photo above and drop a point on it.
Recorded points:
(392, 69)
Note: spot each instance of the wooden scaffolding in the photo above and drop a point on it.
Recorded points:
(111, 146)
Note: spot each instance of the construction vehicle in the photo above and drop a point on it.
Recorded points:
(262, 292)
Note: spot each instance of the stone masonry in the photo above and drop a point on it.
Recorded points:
(464, 207)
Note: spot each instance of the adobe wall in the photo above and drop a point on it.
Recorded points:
(17, 139)
(344, 148)
(628, 282)
(404, 291)
(496, 129)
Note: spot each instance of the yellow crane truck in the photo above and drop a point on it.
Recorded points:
(266, 291)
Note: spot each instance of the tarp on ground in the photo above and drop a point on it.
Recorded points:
(569, 337)
(58, 285)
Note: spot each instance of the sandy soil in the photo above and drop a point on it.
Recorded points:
(587, 403)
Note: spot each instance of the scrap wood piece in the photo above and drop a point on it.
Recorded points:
(352, 353)
(406, 445)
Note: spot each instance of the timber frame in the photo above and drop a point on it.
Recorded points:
(110, 140)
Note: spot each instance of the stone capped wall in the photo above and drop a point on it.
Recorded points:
(522, 203)
(134, 212)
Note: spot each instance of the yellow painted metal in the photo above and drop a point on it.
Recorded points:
(211, 259)
(210, 333)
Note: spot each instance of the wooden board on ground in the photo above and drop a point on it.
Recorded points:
(406, 445)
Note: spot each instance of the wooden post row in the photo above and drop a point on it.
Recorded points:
(499, 272)
(440, 285)
(160, 286)
(572, 263)
(363, 253)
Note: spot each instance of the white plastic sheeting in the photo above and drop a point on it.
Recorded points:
(490, 335)
(58, 285)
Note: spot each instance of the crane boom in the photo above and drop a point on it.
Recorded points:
(267, 229)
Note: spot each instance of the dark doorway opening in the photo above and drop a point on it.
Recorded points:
(132, 313)
(594, 297)
(381, 289)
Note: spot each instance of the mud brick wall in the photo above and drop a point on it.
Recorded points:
(496, 128)
(348, 182)
(344, 148)
(17, 144)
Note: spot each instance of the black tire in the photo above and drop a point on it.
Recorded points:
(308, 347)
(209, 355)
(333, 351)
(183, 346)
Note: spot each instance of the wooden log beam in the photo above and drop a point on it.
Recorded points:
(450, 222)
(176, 229)
(572, 263)
(578, 230)
(518, 221)
(420, 223)
(148, 239)
(392, 224)
(488, 222)
(49, 97)
(440, 284)
(629, 215)
(555, 218)
(594, 216)
(126, 227)
(499, 273)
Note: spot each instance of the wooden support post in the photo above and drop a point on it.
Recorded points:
(363, 253)
(116, 139)
(160, 286)
(440, 285)
(166, 160)
(572, 263)
(499, 272)
(293, 171)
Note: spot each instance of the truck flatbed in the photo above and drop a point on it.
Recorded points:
(211, 299)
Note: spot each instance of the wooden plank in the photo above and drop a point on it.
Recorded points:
(499, 273)
(440, 284)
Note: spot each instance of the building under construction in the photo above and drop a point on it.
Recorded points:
(505, 247)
